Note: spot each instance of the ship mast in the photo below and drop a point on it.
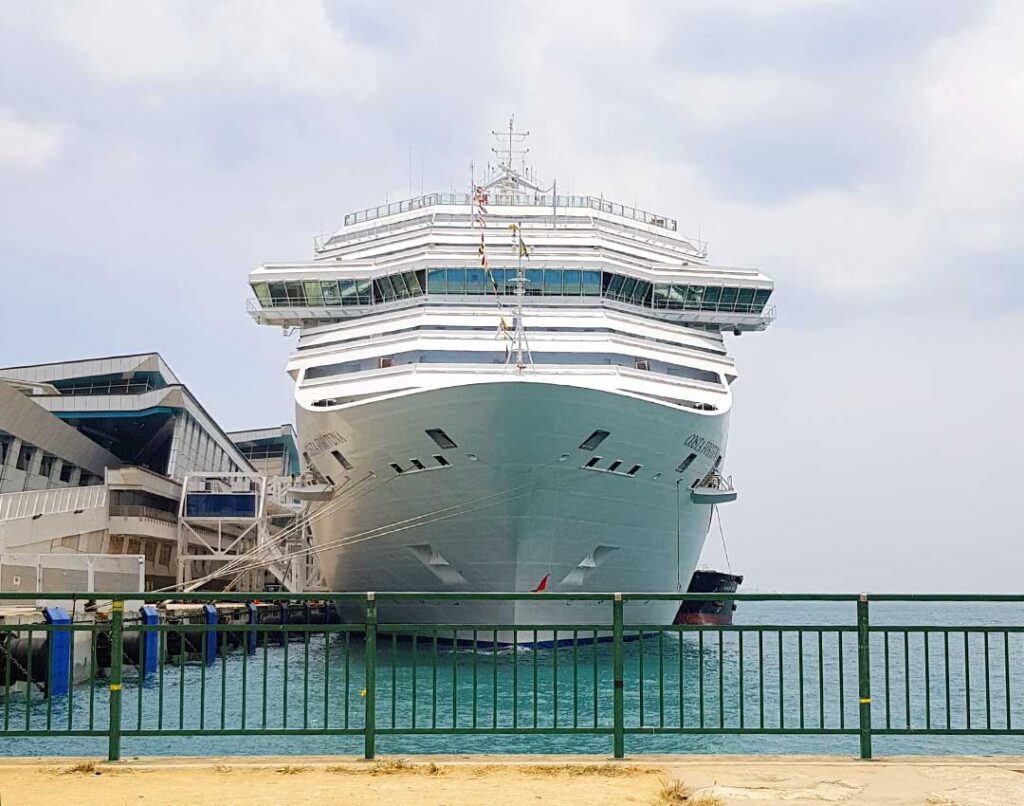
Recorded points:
(510, 149)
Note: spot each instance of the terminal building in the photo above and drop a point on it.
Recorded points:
(95, 457)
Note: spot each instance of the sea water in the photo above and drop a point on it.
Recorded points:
(304, 686)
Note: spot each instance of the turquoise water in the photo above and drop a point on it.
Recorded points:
(309, 686)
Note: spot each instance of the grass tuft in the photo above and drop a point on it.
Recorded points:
(83, 767)
(390, 766)
(676, 793)
(672, 792)
(705, 799)
(291, 769)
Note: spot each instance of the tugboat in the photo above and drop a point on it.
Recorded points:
(716, 610)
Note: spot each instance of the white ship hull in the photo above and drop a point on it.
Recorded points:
(515, 504)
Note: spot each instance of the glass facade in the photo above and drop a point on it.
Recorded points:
(723, 299)
(539, 282)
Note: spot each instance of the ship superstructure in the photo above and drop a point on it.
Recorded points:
(509, 389)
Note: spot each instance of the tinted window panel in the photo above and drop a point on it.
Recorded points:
(331, 293)
(474, 281)
(456, 281)
(436, 281)
(314, 296)
(553, 282)
(398, 283)
(572, 280)
(534, 281)
(364, 291)
(296, 295)
(592, 283)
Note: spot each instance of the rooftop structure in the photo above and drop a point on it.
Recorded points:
(93, 458)
(272, 451)
(134, 408)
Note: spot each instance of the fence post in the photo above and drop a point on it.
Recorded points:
(618, 730)
(864, 675)
(116, 658)
(370, 664)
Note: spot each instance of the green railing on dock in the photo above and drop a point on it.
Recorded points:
(614, 678)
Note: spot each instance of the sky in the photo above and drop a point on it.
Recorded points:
(869, 156)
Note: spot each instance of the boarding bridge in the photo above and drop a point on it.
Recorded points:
(236, 528)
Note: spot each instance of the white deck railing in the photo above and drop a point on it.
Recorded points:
(30, 503)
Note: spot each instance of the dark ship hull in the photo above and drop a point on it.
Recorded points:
(716, 609)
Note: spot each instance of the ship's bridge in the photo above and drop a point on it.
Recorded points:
(461, 249)
(715, 298)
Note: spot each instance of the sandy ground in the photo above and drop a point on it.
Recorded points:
(494, 781)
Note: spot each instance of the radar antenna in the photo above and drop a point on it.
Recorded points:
(510, 151)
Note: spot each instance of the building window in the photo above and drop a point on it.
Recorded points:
(24, 457)
(386, 361)
(65, 472)
(46, 465)
(165, 554)
(116, 544)
(134, 546)
(150, 550)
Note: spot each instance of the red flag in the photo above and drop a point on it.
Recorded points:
(543, 584)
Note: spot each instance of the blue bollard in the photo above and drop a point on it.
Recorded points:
(250, 635)
(58, 678)
(150, 644)
(210, 636)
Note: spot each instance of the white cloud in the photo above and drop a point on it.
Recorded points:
(613, 110)
(972, 122)
(26, 146)
(716, 100)
(235, 44)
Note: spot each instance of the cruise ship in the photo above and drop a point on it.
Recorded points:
(509, 389)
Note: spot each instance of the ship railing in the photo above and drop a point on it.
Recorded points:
(716, 481)
(869, 672)
(519, 199)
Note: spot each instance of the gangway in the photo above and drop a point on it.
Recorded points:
(246, 526)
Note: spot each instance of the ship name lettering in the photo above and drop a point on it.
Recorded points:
(704, 447)
(324, 442)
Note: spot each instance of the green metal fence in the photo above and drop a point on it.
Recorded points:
(614, 679)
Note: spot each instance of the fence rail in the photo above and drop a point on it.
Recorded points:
(614, 678)
(32, 503)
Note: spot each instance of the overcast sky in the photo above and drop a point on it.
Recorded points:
(868, 156)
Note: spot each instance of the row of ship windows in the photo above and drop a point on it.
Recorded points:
(543, 358)
(539, 282)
